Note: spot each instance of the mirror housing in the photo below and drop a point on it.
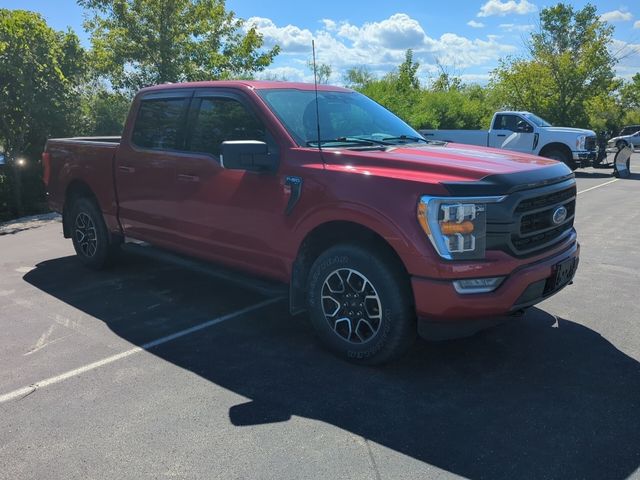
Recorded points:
(251, 155)
(524, 127)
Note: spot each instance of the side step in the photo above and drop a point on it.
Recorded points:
(259, 285)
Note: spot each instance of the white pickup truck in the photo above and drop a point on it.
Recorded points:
(527, 133)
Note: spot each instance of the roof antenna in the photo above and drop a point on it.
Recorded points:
(315, 86)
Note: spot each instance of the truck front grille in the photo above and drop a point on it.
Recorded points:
(590, 143)
(525, 225)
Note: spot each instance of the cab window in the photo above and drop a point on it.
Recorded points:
(219, 119)
(159, 123)
(506, 122)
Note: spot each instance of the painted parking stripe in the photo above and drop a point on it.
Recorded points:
(22, 392)
(599, 185)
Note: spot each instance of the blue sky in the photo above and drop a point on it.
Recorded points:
(467, 37)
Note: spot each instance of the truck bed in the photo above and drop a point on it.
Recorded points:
(469, 137)
(83, 162)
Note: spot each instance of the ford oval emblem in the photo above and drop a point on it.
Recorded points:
(559, 215)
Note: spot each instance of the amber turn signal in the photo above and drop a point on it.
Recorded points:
(451, 228)
(422, 217)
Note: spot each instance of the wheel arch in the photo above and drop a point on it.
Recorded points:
(563, 147)
(76, 189)
(324, 236)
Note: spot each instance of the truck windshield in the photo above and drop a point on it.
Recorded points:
(346, 119)
(540, 122)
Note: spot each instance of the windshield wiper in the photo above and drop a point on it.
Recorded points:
(351, 140)
(406, 137)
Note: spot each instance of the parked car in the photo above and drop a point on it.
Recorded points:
(628, 130)
(378, 233)
(527, 133)
(632, 139)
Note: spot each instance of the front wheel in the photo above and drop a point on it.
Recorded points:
(89, 234)
(560, 156)
(360, 304)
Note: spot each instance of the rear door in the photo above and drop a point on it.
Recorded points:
(145, 166)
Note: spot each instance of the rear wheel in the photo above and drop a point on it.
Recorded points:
(89, 234)
(360, 304)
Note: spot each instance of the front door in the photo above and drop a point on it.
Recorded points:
(512, 132)
(230, 216)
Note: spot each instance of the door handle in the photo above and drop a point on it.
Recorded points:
(125, 169)
(501, 135)
(188, 178)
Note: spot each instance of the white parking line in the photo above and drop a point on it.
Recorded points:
(599, 185)
(22, 392)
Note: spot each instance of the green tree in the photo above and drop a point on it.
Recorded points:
(630, 92)
(570, 64)
(358, 77)
(322, 72)
(102, 110)
(39, 69)
(143, 42)
(447, 103)
(399, 90)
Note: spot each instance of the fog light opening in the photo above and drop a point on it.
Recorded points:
(477, 285)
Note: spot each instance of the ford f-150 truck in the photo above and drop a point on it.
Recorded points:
(378, 233)
(528, 133)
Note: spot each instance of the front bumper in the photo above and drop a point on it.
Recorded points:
(584, 157)
(440, 308)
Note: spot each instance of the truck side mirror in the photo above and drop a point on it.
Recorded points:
(251, 155)
(523, 127)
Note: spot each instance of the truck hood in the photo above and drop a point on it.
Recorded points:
(576, 131)
(621, 137)
(462, 169)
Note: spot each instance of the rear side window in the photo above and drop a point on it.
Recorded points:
(159, 123)
(219, 119)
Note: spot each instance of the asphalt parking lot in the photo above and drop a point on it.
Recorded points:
(149, 370)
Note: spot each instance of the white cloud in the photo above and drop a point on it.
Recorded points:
(399, 31)
(616, 16)
(290, 74)
(481, 78)
(329, 24)
(474, 24)
(500, 8)
(380, 46)
(637, 24)
(513, 27)
(291, 39)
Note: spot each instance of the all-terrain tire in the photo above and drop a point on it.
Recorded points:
(360, 304)
(91, 239)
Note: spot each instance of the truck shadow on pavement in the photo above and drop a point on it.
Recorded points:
(540, 397)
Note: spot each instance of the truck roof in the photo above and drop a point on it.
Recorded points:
(521, 112)
(251, 84)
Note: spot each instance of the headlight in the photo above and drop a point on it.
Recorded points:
(457, 227)
(580, 142)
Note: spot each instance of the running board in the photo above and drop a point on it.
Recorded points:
(262, 286)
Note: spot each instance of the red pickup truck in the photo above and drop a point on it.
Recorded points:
(379, 233)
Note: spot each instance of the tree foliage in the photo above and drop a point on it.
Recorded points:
(144, 42)
(570, 64)
(102, 111)
(322, 71)
(39, 69)
(446, 103)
